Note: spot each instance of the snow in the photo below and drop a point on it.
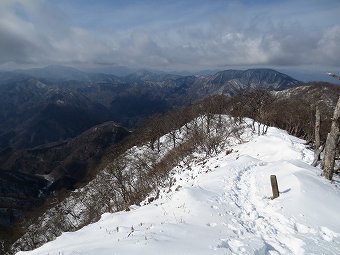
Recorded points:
(222, 205)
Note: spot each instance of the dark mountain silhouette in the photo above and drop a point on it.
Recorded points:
(34, 113)
(44, 115)
(28, 176)
(64, 73)
(230, 82)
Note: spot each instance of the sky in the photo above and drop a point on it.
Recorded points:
(171, 35)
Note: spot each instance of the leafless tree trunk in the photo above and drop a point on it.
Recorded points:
(317, 127)
(331, 143)
(318, 147)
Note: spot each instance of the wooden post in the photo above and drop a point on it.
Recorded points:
(275, 187)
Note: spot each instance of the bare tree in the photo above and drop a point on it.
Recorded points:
(331, 144)
(318, 146)
(332, 140)
(256, 104)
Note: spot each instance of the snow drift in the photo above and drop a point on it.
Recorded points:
(222, 205)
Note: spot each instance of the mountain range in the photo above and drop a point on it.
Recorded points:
(57, 122)
(51, 104)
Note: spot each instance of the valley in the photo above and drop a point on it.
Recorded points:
(155, 127)
(59, 138)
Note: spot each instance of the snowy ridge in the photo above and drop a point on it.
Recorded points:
(222, 205)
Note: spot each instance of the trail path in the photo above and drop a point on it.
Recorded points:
(223, 206)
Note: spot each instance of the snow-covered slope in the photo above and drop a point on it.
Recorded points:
(222, 205)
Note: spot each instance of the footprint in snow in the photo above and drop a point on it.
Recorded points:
(223, 244)
(233, 244)
(327, 234)
(212, 224)
(262, 164)
(232, 227)
(300, 228)
(236, 245)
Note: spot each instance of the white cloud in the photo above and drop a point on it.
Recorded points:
(329, 46)
(34, 32)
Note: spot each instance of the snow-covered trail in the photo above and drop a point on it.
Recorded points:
(223, 206)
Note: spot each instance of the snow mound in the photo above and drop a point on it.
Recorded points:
(222, 205)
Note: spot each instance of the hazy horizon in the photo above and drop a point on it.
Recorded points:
(301, 74)
(296, 36)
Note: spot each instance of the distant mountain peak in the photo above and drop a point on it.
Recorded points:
(230, 82)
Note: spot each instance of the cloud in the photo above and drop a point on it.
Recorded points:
(169, 35)
(328, 47)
